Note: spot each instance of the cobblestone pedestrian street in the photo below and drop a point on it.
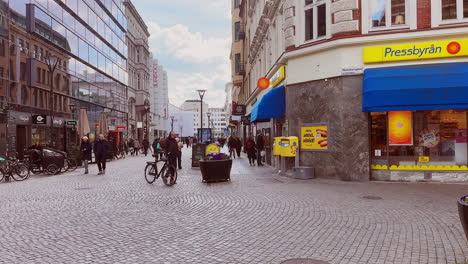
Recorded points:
(258, 217)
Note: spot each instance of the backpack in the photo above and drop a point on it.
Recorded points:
(249, 144)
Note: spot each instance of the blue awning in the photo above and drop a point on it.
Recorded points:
(420, 87)
(271, 105)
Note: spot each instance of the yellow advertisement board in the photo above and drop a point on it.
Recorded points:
(416, 51)
(424, 159)
(314, 138)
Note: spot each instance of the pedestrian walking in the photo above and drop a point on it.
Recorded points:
(101, 149)
(171, 148)
(251, 151)
(260, 148)
(232, 145)
(187, 142)
(238, 146)
(131, 144)
(156, 146)
(86, 149)
(180, 146)
(146, 146)
(136, 146)
(126, 146)
(190, 142)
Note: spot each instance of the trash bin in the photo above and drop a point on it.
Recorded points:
(277, 146)
(303, 172)
(289, 146)
(463, 213)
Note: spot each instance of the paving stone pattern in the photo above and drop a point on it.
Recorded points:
(258, 217)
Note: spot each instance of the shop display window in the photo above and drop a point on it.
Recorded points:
(439, 138)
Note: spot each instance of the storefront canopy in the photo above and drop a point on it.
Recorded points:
(271, 105)
(421, 87)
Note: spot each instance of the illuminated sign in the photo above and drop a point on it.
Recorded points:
(416, 51)
(278, 76)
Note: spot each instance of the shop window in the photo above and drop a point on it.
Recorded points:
(440, 136)
(316, 16)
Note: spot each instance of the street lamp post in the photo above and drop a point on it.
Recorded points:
(147, 107)
(172, 123)
(201, 93)
(52, 62)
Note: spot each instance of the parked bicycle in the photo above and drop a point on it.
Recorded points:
(167, 171)
(14, 169)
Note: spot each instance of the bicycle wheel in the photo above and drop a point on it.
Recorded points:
(150, 173)
(20, 172)
(71, 165)
(52, 169)
(170, 175)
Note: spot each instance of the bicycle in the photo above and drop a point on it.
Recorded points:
(13, 169)
(70, 165)
(168, 172)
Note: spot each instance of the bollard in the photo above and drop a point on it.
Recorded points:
(7, 178)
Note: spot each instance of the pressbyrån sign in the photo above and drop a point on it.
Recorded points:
(416, 51)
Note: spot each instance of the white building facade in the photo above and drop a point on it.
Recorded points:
(218, 122)
(138, 72)
(159, 99)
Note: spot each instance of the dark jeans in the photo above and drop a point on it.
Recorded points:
(179, 160)
(259, 157)
(146, 151)
(101, 162)
(173, 160)
(238, 152)
(232, 152)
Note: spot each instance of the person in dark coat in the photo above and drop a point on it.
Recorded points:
(146, 145)
(260, 147)
(238, 146)
(251, 151)
(86, 149)
(101, 149)
(172, 149)
(232, 145)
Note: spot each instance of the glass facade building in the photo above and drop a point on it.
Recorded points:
(88, 38)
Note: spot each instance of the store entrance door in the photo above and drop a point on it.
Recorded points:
(21, 140)
(267, 140)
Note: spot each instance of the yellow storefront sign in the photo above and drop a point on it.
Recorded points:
(314, 138)
(278, 76)
(423, 159)
(416, 51)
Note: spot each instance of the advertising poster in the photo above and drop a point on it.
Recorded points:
(460, 135)
(205, 136)
(314, 138)
(400, 128)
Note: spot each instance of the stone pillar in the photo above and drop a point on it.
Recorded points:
(289, 15)
(345, 17)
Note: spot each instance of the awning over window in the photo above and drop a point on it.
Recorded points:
(271, 105)
(421, 87)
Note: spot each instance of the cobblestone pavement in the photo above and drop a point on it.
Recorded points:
(258, 217)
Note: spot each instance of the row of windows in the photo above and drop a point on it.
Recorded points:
(56, 32)
(65, 38)
(383, 14)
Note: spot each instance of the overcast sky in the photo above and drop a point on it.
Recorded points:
(192, 40)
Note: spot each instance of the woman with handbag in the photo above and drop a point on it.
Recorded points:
(251, 151)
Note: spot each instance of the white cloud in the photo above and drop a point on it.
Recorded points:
(188, 46)
(209, 55)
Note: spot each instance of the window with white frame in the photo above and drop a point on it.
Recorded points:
(454, 9)
(315, 14)
(449, 11)
(386, 14)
